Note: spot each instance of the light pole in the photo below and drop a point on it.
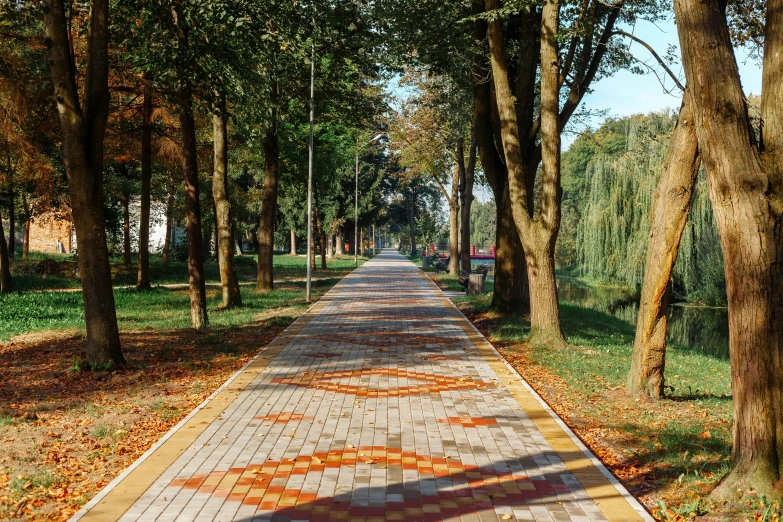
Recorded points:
(310, 173)
(356, 204)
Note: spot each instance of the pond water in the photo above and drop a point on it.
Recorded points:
(694, 328)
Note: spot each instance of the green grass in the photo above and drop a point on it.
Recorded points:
(686, 438)
(163, 308)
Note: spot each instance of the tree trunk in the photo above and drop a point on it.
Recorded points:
(466, 200)
(512, 293)
(745, 185)
(293, 243)
(266, 229)
(82, 132)
(196, 278)
(27, 220)
(339, 241)
(5, 263)
(539, 234)
(670, 207)
(321, 238)
(143, 276)
(11, 221)
(169, 221)
(126, 239)
(458, 173)
(412, 221)
(223, 214)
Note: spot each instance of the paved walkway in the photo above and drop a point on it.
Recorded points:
(381, 403)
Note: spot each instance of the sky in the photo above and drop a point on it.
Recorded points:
(625, 93)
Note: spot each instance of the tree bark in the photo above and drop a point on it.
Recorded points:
(538, 235)
(457, 174)
(11, 221)
(5, 263)
(126, 239)
(745, 185)
(169, 221)
(266, 229)
(27, 219)
(670, 207)
(321, 238)
(143, 275)
(411, 221)
(293, 243)
(223, 214)
(83, 129)
(511, 293)
(339, 241)
(466, 200)
(196, 278)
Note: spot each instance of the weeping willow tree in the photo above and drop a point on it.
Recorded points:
(619, 175)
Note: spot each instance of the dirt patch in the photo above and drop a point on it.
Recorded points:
(65, 435)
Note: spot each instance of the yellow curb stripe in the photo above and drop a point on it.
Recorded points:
(124, 494)
(604, 494)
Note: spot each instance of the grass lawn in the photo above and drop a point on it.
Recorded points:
(65, 434)
(27, 312)
(669, 453)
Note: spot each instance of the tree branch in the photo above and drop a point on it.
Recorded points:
(655, 55)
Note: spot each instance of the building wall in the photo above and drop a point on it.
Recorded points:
(47, 228)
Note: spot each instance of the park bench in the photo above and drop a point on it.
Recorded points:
(442, 264)
(473, 281)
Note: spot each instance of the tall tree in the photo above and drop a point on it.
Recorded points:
(143, 276)
(196, 278)
(223, 214)
(83, 125)
(466, 200)
(266, 228)
(670, 207)
(5, 263)
(746, 182)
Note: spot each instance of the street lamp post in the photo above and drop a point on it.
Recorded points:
(356, 204)
(310, 175)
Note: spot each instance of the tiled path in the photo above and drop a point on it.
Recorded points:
(382, 403)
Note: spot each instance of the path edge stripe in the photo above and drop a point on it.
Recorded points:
(155, 447)
(596, 462)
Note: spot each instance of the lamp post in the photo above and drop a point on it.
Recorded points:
(310, 175)
(356, 204)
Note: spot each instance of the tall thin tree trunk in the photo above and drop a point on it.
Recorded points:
(223, 214)
(412, 221)
(169, 221)
(538, 234)
(27, 221)
(321, 238)
(266, 229)
(510, 294)
(126, 239)
(5, 263)
(466, 200)
(339, 241)
(11, 221)
(745, 185)
(196, 278)
(670, 207)
(143, 275)
(82, 131)
(456, 175)
(293, 243)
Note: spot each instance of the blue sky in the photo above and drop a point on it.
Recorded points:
(625, 93)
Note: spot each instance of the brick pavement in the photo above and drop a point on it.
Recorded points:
(382, 404)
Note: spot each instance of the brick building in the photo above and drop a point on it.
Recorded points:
(47, 228)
